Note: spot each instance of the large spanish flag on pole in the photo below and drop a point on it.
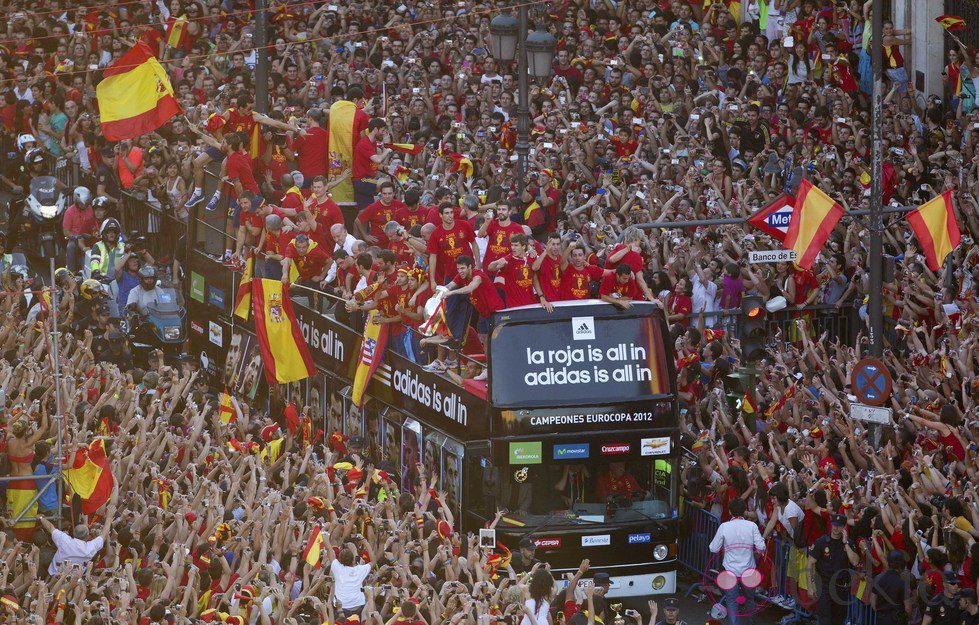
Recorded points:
(936, 228)
(342, 140)
(135, 96)
(90, 476)
(284, 350)
(371, 352)
(813, 219)
(243, 297)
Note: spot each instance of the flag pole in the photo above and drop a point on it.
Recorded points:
(261, 58)
(56, 357)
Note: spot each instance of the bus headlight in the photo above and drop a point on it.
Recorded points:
(660, 552)
(658, 582)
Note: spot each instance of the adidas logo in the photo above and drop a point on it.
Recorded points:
(584, 328)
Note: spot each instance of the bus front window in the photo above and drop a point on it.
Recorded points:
(592, 490)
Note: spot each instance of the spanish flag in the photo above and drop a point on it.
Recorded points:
(9, 601)
(813, 219)
(701, 440)
(371, 353)
(272, 450)
(135, 96)
(734, 6)
(280, 340)
(951, 22)
(90, 476)
(936, 228)
(406, 148)
(748, 404)
(461, 163)
(243, 297)
(226, 410)
(342, 140)
(176, 31)
(313, 553)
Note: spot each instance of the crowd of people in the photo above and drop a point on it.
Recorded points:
(655, 111)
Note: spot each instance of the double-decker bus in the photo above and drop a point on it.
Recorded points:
(574, 434)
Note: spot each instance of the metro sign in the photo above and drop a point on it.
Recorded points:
(774, 219)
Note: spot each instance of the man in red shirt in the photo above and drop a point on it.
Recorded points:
(628, 252)
(516, 270)
(312, 146)
(577, 275)
(411, 213)
(324, 210)
(499, 230)
(377, 215)
(619, 288)
(365, 162)
(271, 246)
(547, 272)
(617, 482)
(292, 198)
(241, 178)
(482, 294)
(450, 239)
(252, 222)
(310, 259)
(78, 223)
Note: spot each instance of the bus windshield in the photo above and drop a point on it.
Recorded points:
(594, 491)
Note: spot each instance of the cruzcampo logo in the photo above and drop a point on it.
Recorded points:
(525, 453)
(197, 286)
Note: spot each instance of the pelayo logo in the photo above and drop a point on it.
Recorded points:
(576, 451)
(525, 452)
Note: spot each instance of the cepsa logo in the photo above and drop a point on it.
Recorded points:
(547, 543)
(616, 449)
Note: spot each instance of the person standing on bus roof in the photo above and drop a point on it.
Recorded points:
(548, 268)
(482, 293)
(577, 273)
(517, 272)
(619, 288)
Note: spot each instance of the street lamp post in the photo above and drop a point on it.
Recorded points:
(536, 52)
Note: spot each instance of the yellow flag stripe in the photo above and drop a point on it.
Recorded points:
(135, 92)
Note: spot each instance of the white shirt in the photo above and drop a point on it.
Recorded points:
(348, 244)
(736, 538)
(791, 511)
(72, 550)
(349, 583)
(704, 296)
(542, 616)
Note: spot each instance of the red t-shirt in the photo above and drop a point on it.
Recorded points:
(311, 152)
(363, 166)
(499, 240)
(327, 215)
(410, 217)
(632, 259)
(239, 167)
(309, 264)
(519, 286)
(576, 283)
(484, 299)
(448, 245)
(377, 215)
(77, 221)
(549, 277)
(293, 199)
(434, 217)
(612, 286)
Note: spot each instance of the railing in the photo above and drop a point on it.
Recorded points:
(165, 232)
(694, 554)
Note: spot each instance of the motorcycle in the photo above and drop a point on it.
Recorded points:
(162, 327)
(44, 208)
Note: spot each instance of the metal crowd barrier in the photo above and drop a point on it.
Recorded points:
(165, 232)
(700, 526)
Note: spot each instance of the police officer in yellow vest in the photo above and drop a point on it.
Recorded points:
(109, 249)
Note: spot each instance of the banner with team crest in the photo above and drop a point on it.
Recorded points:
(285, 353)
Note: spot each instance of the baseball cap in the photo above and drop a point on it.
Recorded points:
(602, 579)
(949, 577)
(969, 594)
(671, 603)
(838, 519)
(527, 543)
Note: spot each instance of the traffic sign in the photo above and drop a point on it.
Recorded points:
(872, 414)
(871, 382)
(756, 257)
(774, 219)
